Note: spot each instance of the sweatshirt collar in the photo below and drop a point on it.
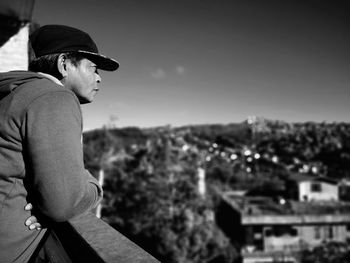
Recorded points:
(52, 78)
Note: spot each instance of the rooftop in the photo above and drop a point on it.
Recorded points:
(298, 177)
(258, 205)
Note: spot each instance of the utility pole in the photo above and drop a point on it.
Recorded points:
(101, 176)
(106, 159)
(201, 181)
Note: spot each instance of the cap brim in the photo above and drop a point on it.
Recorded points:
(102, 62)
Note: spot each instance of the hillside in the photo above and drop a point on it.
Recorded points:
(314, 148)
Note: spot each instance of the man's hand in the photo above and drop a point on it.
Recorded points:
(31, 222)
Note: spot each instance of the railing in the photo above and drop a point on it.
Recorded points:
(89, 239)
(259, 256)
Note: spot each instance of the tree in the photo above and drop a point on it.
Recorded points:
(153, 199)
(328, 252)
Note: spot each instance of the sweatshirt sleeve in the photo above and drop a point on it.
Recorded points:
(61, 187)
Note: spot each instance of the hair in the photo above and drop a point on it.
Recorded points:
(48, 63)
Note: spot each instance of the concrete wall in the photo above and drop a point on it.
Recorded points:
(302, 219)
(314, 235)
(14, 53)
(284, 243)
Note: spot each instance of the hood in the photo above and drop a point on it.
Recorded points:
(11, 80)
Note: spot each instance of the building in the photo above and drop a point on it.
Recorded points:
(14, 53)
(316, 188)
(270, 231)
(15, 18)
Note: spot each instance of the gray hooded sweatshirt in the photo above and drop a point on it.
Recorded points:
(41, 160)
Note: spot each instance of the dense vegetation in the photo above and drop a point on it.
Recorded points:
(152, 188)
(332, 252)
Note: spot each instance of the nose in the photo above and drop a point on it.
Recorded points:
(98, 78)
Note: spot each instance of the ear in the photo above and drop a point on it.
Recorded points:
(61, 65)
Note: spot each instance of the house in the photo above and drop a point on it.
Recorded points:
(315, 188)
(270, 231)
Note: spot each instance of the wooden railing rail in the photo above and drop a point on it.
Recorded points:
(89, 239)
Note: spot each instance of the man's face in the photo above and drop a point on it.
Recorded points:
(83, 80)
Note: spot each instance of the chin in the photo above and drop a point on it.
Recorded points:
(85, 100)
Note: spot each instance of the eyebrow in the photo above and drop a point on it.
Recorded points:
(93, 65)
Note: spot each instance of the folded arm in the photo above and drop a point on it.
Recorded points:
(61, 187)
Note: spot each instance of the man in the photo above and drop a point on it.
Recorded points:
(41, 158)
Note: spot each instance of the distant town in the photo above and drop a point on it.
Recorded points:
(275, 191)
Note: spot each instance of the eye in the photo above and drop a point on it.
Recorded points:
(95, 69)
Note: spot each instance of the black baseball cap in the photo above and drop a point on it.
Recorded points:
(54, 39)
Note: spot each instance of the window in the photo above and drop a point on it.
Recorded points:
(316, 187)
(268, 232)
(294, 232)
(317, 231)
(330, 232)
(348, 227)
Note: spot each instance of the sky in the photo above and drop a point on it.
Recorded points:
(185, 62)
